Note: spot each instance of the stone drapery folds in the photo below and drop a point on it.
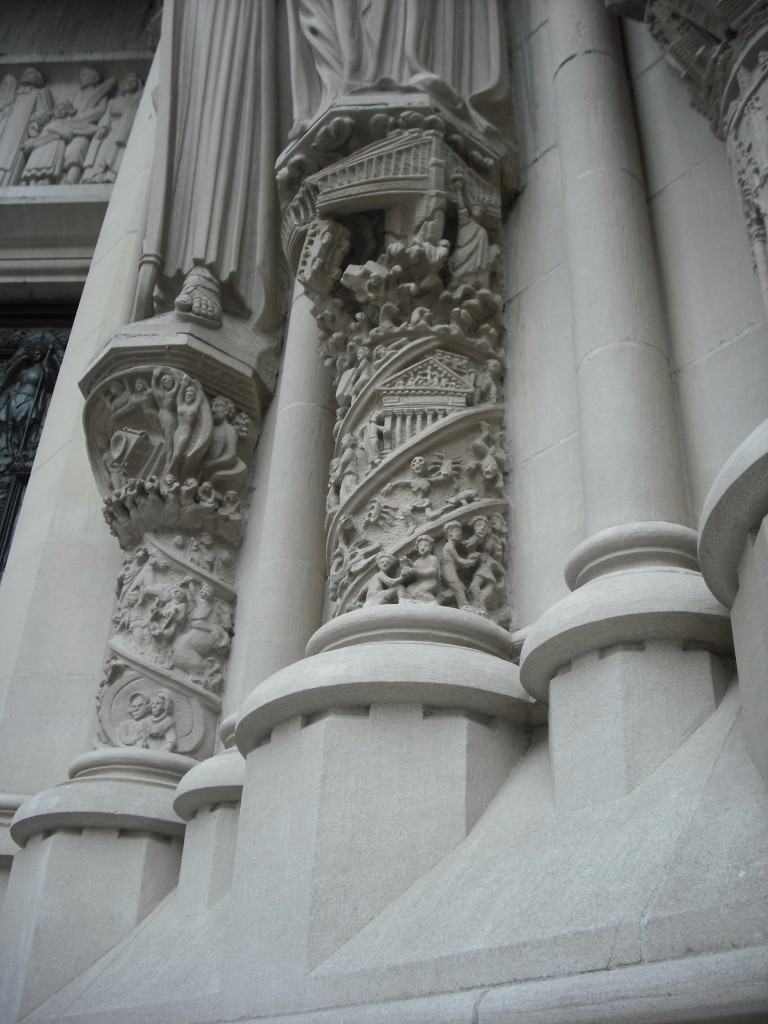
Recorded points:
(213, 175)
(343, 46)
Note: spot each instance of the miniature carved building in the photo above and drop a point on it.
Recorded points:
(382, 635)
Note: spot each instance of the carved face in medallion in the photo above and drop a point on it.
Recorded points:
(139, 706)
(161, 704)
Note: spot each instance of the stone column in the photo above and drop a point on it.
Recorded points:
(407, 706)
(280, 604)
(724, 60)
(173, 408)
(637, 594)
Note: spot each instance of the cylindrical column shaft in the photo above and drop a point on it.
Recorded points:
(630, 452)
(280, 600)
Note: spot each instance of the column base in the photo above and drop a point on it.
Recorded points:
(733, 550)
(426, 655)
(631, 664)
(99, 853)
(390, 748)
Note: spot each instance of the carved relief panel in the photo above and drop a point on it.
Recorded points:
(170, 460)
(66, 123)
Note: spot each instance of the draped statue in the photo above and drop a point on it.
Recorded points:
(210, 247)
(338, 46)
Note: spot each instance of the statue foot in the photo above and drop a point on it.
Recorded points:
(200, 298)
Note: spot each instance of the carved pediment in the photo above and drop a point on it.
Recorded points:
(430, 378)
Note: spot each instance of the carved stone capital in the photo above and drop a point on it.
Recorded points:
(171, 419)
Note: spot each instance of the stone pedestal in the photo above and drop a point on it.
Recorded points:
(208, 799)
(733, 550)
(628, 691)
(391, 738)
(99, 853)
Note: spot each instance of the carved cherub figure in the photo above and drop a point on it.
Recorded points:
(489, 575)
(383, 588)
(452, 562)
(422, 577)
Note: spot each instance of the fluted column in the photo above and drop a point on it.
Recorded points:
(634, 577)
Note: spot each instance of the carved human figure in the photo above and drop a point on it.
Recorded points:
(488, 383)
(215, 166)
(30, 101)
(25, 385)
(133, 731)
(222, 464)
(165, 387)
(131, 619)
(384, 588)
(161, 727)
(450, 48)
(195, 648)
(334, 484)
(44, 146)
(470, 261)
(491, 459)
(105, 154)
(201, 552)
(488, 575)
(189, 400)
(422, 577)
(169, 619)
(348, 467)
(378, 437)
(89, 103)
(452, 561)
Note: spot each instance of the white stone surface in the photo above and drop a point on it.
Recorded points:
(405, 842)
